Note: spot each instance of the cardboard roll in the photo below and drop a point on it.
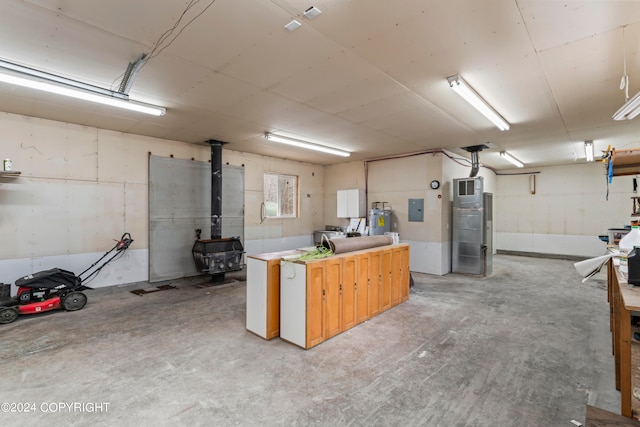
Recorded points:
(351, 244)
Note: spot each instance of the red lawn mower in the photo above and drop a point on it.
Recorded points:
(55, 288)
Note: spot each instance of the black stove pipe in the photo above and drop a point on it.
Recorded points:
(216, 188)
(217, 255)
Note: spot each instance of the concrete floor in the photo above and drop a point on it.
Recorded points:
(527, 346)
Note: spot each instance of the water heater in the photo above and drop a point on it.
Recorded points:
(379, 219)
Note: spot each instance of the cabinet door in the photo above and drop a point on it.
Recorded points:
(356, 203)
(406, 274)
(396, 275)
(333, 307)
(362, 288)
(343, 204)
(350, 203)
(349, 277)
(375, 280)
(385, 284)
(315, 303)
(273, 298)
(258, 297)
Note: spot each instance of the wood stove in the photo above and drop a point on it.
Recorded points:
(217, 255)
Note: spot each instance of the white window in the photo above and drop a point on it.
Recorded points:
(280, 196)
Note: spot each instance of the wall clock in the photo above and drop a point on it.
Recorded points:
(435, 184)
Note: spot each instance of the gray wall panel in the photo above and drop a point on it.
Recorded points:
(233, 202)
(180, 202)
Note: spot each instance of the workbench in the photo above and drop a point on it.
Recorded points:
(623, 299)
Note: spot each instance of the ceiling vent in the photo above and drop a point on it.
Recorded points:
(312, 12)
(292, 25)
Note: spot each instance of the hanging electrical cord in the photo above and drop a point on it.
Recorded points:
(158, 47)
(624, 81)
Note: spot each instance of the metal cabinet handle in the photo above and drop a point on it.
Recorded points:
(263, 212)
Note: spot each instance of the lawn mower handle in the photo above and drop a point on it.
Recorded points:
(124, 242)
(120, 246)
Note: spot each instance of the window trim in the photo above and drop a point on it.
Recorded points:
(296, 214)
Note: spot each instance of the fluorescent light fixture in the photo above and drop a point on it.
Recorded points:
(629, 110)
(511, 159)
(34, 79)
(471, 96)
(304, 144)
(588, 150)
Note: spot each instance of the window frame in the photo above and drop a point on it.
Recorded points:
(296, 197)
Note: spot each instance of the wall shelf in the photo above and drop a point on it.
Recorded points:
(9, 174)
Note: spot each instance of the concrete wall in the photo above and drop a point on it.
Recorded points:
(567, 213)
(81, 187)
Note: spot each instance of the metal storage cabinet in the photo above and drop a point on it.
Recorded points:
(471, 210)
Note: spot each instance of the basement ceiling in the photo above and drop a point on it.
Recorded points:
(368, 76)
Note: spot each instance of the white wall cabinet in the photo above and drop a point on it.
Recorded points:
(351, 203)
